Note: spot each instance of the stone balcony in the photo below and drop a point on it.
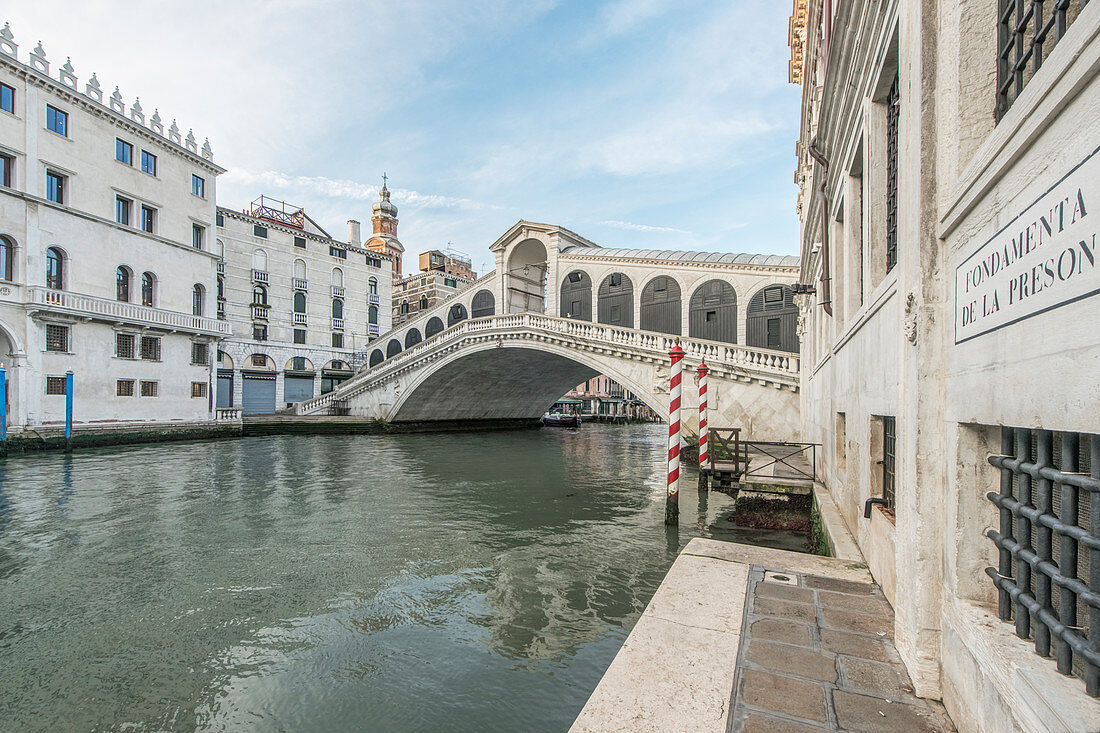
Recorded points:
(113, 311)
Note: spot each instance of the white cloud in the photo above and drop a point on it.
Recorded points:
(631, 226)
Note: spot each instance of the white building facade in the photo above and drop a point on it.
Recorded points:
(107, 267)
(302, 306)
(422, 290)
(949, 175)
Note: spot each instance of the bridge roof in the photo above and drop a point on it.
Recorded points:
(729, 258)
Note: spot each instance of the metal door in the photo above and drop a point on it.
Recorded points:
(712, 313)
(772, 312)
(483, 304)
(297, 388)
(258, 396)
(576, 296)
(225, 388)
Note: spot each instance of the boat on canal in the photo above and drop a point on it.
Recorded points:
(561, 420)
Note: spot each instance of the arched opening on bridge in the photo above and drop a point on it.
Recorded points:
(393, 348)
(412, 337)
(615, 305)
(456, 313)
(712, 312)
(525, 283)
(483, 304)
(661, 309)
(433, 326)
(576, 296)
(376, 357)
(772, 319)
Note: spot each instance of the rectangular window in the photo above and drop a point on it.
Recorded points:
(337, 252)
(124, 388)
(57, 121)
(259, 231)
(124, 345)
(7, 98)
(56, 386)
(198, 186)
(615, 279)
(660, 285)
(55, 187)
(200, 354)
(124, 152)
(299, 336)
(198, 389)
(219, 219)
(148, 218)
(259, 332)
(7, 170)
(148, 163)
(773, 295)
(149, 389)
(616, 314)
(893, 115)
(712, 316)
(449, 282)
(259, 360)
(300, 242)
(150, 348)
(337, 340)
(198, 234)
(889, 450)
(123, 207)
(57, 337)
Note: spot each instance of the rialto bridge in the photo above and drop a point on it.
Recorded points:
(558, 310)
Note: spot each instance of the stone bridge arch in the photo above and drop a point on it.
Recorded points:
(487, 381)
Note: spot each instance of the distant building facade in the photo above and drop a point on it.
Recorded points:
(603, 396)
(300, 303)
(441, 276)
(107, 266)
(949, 180)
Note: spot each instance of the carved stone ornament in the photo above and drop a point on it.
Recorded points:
(911, 318)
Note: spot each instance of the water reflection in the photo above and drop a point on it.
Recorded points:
(418, 582)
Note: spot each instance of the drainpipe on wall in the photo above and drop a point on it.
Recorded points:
(826, 293)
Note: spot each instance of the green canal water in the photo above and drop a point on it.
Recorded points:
(456, 582)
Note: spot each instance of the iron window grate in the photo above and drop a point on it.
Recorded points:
(893, 114)
(1048, 574)
(57, 338)
(1025, 37)
(889, 464)
(150, 348)
(124, 345)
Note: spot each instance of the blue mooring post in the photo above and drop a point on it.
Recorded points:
(3, 405)
(68, 409)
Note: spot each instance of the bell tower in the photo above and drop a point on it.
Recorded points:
(384, 229)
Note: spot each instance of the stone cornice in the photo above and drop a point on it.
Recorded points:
(241, 216)
(687, 264)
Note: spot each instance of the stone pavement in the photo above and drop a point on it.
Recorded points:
(817, 654)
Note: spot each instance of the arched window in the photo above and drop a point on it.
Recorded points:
(300, 269)
(337, 277)
(7, 255)
(299, 302)
(337, 308)
(55, 269)
(372, 314)
(148, 281)
(259, 260)
(198, 297)
(259, 295)
(219, 249)
(122, 283)
(404, 306)
(423, 302)
(372, 286)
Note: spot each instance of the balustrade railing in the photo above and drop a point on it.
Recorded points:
(299, 283)
(115, 310)
(299, 319)
(337, 291)
(372, 298)
(716, 354)
(337, 324)
(260, 311)
(260, 276)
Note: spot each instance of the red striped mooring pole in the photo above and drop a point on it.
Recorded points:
(702, 371)
(672, 499)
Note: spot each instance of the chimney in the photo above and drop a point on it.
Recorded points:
(353, 232)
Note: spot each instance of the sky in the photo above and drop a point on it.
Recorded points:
(655, 124)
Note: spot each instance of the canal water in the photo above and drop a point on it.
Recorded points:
(456, 582)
